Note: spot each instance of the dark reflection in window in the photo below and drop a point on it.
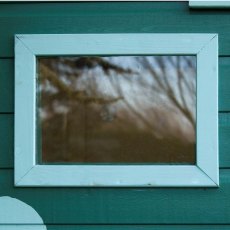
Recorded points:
(119, 109)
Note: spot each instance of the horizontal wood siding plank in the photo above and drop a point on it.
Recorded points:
(224, 84)
(224, 139)
(125, 205)
(107, 17)
(138, 227)
(6, 85)
(116, 227)
(6, 141)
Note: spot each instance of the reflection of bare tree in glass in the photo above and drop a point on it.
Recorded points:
(172, 78)
(184, 85)
(121, 101)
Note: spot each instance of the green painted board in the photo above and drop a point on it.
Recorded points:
(6, 141)
(6, 85)
(110, 17)
(138, 227)
(224, 84)
(224, 139)
(125, 205)
(116, 227)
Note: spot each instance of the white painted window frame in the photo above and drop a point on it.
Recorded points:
(209, 4)
(204, 174)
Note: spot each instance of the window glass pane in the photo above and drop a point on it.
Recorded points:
(117, 109)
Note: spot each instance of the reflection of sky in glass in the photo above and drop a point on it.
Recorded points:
(147, 95)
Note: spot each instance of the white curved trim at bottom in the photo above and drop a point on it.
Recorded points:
(15, 215)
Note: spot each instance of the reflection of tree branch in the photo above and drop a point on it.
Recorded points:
(167, 88)
(117, 87)
(148, 66)
(184, 111)
(190, 65)
(171, 61)
(77, 80)
(93, 62)
(46, 73)
(66, 91)
(190, 86)
(161, 63)
(145, 85)
(139, 116)
(181, 78)
(179, 83)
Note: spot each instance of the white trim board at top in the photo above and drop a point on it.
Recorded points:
(209, 4)
(204, 173)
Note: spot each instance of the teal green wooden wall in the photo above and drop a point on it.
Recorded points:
(116, 208)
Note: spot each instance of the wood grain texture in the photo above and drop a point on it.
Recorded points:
(224, 84)
(115, 227)
(107, 17)
(6, 86)
(224, 139)
(127, 205)
(6, 141)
